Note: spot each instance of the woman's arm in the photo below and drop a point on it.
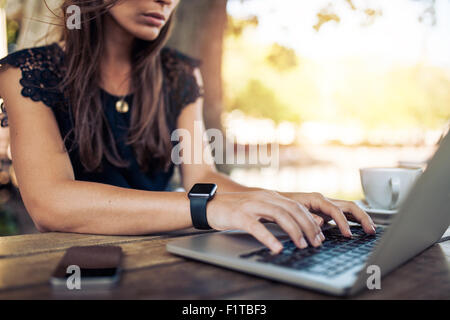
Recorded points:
(206, 170)
(192, 173)
(55, 200)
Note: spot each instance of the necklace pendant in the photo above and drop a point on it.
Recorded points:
(122, 106)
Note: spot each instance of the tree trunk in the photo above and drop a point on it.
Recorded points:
(4, 132)
(36, 23)
(199, 32)
(3, 42)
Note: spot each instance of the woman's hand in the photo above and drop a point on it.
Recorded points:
(244, 210)
(338, 210)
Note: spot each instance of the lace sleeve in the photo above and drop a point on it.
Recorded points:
(179, 69)
(41, 75)
(3, 115)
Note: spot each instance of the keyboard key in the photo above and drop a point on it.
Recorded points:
(336, 255)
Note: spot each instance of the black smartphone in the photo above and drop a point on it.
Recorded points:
(92, 267)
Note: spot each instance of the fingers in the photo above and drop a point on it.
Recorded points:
(260, 232)
(308, 224)
(358, 214)
(320, 203)
(296, 213)
(319, 220)
(285, 220)
(323, 216)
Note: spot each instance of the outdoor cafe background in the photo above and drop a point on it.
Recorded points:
(339, 84)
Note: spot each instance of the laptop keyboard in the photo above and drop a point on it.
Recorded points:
(336, 254)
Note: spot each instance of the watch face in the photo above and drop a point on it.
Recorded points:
(203, 190)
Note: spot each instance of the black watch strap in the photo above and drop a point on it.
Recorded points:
(198, 213)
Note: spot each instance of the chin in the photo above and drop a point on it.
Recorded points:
(147, 33)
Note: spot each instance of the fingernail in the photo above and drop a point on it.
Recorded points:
(303, 243)
(322, 236)
(373, 228)
(349, 232)
(318, 240)
(278, 248)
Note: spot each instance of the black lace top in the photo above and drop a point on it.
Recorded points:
(43, 69)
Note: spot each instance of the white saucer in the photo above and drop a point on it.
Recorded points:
(367, 208)
(379, 216)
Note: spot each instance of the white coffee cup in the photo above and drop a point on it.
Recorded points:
(387, 188)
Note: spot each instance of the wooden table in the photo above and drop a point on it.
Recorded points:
(27, 261)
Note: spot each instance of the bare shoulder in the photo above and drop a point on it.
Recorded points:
(13, 99)
(26, 117)
(198, 76)
(9, 81)
(194, 110)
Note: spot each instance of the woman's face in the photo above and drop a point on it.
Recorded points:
(144, 19)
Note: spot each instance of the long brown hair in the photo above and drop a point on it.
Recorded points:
(148, 132)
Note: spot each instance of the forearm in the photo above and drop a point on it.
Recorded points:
(87, 207)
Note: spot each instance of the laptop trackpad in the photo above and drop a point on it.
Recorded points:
(229, 243)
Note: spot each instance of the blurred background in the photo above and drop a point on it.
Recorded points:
(338, 85)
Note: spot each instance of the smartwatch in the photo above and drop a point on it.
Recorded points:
(199, 196)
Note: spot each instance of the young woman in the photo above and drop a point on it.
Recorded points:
(90, 120)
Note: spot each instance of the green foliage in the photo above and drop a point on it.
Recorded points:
(329, 14)
(351, 4)
(259, 101)
(282, 58)
(8, 224)
(267, 80)
(325, 16)
(237, 26)
(12, 28)
(404, 97)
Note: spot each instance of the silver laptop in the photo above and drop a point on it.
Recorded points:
(339, 266)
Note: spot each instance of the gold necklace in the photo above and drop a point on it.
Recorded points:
(122, 106)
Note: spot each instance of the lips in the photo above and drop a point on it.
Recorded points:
(153, 19)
